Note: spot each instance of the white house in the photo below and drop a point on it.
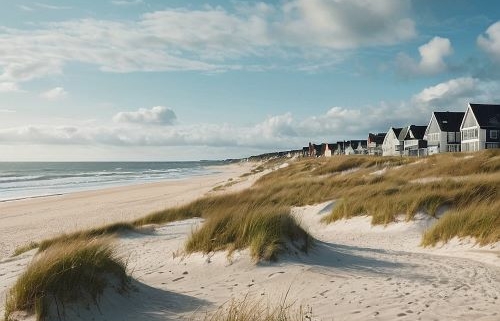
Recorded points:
(443, 132)
(480, 128)
(392, 146)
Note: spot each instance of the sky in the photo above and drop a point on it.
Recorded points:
(159, 80)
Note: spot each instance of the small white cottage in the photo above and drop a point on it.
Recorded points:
(392, 146)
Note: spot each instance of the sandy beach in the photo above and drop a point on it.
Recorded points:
(354, 272)
(22, 221)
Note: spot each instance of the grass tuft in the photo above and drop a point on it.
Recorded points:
(90, 234)
(481, 221)
(266, 229)
(62, 274)
(247, 310)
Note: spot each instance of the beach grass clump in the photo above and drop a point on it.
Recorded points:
(480, 221)
(64, 273)
(257, 310)
(266, 230)
(25, 248)
(89, 234)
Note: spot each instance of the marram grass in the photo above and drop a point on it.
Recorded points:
(64, 273)
(257, 310)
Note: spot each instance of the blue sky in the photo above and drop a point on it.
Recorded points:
(181, 80)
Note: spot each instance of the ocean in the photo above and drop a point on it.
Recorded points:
(20, 180)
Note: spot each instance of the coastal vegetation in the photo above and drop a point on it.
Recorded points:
(64, 273)
(257, 310)
(463, 188)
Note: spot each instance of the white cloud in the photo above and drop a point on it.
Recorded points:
(291, 33)
(7, 111)
(346, 24)
(8, 87)
(432, 56)
(159, 115)
(490, 42)
(446, 91)
(50, 7)
(54, 94)
(273, 133)
(127, 3)
(25, 8)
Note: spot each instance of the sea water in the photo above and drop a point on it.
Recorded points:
(34, 179)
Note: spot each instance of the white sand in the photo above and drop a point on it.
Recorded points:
(355, 272)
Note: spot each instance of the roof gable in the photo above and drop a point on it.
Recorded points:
(487, 116)
(416, 132)
(469, 119)
(449, 121)
(433, 126)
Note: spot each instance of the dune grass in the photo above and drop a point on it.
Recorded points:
(64, 273)
(481, 221)
(257, 310)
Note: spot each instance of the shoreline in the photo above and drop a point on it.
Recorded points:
(35, 218)
(33, 192)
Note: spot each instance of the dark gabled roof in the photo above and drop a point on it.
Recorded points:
(449, 121)
(354, 143)
(487, 115)
(377, 138)
(397, 131)
(417, 131)
(403, 133)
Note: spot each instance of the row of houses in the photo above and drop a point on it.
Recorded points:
(477, 128)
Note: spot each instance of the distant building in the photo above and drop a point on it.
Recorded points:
(392, 146)
(412, 138)
(374, 143)
(443, 132)
(480, 128)
(355, 147)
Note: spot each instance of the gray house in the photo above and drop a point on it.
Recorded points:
(443, 132)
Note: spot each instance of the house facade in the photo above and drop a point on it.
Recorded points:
(480, 127)
(443, 132)
(374, 143)
(391, 145)
(412, 138)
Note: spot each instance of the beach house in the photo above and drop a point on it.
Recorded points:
(413, 142)
(374, 143)
(480, 127)
(392, 145)
(355, 147)
(443, 132)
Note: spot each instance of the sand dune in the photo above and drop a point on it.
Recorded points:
(355, 272)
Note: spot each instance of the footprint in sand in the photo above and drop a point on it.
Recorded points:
(275, 273)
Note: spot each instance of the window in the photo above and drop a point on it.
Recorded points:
(470, 133)
(451, 137)
(494, 134)
(492, 145)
